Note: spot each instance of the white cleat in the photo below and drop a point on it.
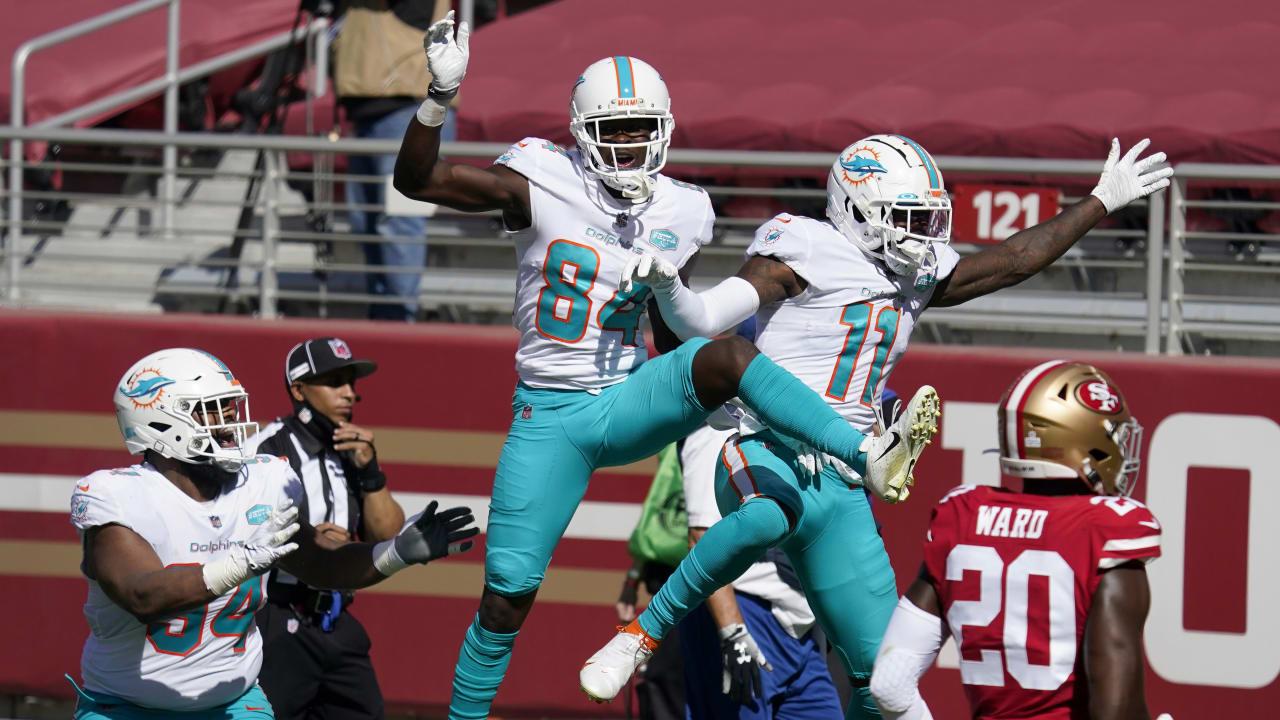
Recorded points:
(891, 458)
(604, 674)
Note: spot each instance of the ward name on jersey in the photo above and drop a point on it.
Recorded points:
(211, 654)
(1015, 576)
(577, 331)
(843, 335)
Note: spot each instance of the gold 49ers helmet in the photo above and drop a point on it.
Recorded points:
(1062, 420)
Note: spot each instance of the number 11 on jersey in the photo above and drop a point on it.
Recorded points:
(858, 318)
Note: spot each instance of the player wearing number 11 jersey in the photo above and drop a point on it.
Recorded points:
(1044, 590)
(587, 398)
(837, 301)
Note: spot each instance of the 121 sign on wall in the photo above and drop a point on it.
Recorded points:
(987, 214)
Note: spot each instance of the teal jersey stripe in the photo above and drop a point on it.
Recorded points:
(924, 158)
(225, 370)
(626, 87)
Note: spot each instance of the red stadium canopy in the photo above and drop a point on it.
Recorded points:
(997, 77)
(124, 55)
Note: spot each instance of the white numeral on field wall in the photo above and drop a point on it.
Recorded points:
(1011, 203)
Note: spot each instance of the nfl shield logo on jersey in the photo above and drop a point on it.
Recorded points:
(339, 348)
(215, 521)
(663, 239)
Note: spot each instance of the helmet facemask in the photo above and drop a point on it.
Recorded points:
(630, 91)
(907, 229)
(886, 196)
(219, 427)
(1128, 438)
(634, 182)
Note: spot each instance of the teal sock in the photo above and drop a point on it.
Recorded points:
(482, 663)
(791, 408)
(723, 553)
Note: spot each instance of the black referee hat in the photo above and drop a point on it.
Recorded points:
(318, 356)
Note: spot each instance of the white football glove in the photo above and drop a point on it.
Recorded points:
(648, 269)
(1128, 178)
(811, 460)
(261, 551)
(447, 57)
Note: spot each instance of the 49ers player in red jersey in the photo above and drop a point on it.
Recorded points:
(1045, 590)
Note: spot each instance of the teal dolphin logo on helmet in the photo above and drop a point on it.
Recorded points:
(145, 387)
(863, 165)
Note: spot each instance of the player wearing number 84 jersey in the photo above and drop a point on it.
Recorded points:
(1044, 590)
(585, 398)
(578, 331)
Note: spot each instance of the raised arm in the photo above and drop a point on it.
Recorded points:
(1113, 644)
(1028, 252)
(421, 175)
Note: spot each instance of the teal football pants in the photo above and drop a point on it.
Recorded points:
(558, 438)
(252, 705)
(833, 545)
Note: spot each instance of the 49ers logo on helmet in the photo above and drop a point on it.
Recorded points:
(1099, 397)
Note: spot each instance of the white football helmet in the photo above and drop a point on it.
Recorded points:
(184, 404)
(615, 88)
(885, 193)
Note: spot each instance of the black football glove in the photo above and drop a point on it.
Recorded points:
(742, 660)
(431, 535)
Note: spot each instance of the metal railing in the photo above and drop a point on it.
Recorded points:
(1181, 329)
(173, 78)
(1147, 302)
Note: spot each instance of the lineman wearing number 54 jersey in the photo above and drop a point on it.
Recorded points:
(1044, 590)
(175, 548)
(586, 397)
(837, 301)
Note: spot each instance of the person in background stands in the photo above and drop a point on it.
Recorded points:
(380, 80)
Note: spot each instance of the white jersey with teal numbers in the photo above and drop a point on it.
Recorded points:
(209, 655)
(844, 333)
(576, 330)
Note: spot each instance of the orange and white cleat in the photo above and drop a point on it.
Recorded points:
(604, 674)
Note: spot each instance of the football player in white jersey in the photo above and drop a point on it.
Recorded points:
(175, 548)
(837, 301)
(586, 398)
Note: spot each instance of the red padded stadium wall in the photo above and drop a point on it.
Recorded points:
(440, 405)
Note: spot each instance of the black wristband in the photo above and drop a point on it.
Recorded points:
(370, 478)
(442, 96)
